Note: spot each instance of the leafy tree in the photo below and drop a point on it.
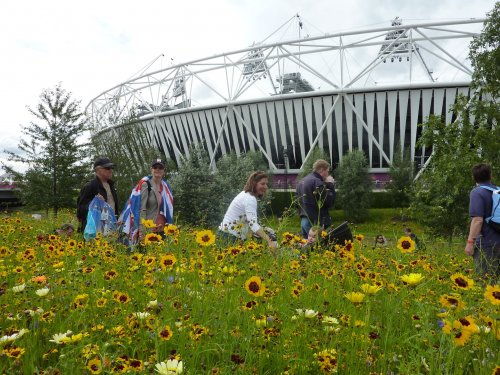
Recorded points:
(440, 199)
(130, 148)
(484, 53)
(354, 186)
(402, 174)
(51, 152)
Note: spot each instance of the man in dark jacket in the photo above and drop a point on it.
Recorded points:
(483, 242)
(101, 186)
(316, 195)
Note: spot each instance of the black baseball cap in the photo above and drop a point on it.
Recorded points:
(157, 162)
(103, 162)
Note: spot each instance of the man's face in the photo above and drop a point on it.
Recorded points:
(104, 173)
(324, 173)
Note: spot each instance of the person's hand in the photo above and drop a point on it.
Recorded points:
(469, 249)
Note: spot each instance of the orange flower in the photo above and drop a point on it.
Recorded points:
(39, 279)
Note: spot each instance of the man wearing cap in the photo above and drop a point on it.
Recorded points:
(101, 186)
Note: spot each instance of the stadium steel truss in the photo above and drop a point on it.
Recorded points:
(365, 89)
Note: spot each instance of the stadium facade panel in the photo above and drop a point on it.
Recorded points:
(286, 128)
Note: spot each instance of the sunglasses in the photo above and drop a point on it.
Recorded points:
(157, 167)
(108, 168)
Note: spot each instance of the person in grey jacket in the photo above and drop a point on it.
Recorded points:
(316, 195)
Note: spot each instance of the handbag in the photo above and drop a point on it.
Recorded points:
(340, 234)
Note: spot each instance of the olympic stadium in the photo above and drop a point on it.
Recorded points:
(364, 89)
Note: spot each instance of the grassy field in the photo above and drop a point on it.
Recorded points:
(186, 305)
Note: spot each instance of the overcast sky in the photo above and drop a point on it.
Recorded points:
(91, 46)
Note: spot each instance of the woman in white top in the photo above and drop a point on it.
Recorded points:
(242, 212)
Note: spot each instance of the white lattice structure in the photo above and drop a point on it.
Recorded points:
(285, 98)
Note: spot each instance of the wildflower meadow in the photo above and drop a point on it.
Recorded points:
(186, 305)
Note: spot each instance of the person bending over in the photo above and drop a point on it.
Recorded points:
(241, 215)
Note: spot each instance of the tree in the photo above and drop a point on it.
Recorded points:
(51, 151)
(440, 199)
(402, 174)
(130, 148)
(354, 186)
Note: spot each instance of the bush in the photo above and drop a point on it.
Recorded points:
(355, 184)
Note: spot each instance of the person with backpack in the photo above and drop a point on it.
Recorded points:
(102, 187)
(483, 242)
(151, 199)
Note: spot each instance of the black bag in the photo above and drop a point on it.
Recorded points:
(339, 235)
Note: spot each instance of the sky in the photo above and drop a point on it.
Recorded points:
(92, 46)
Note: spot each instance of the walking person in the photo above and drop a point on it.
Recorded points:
(316, 195)
(483, 242)
(151, 199)
(102, 187)
(241, 215)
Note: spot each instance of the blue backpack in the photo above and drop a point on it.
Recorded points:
(494, 220)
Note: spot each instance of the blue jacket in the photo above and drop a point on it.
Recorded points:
(315, 197)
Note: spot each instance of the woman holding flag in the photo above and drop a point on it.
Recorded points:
(151, 200)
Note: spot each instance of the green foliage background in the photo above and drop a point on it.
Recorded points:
(440, 198)
(354, 186)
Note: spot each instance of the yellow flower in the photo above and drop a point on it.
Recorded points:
(327, 361)
(205, 237)
(152, 238)
(166, 333)
(14, 351)
(359, 237)
(462, 337)
(171, 230)
(168, 261)
(466, 324)
(148, 223)
(68, 337)
(492, 294)
(461, 281)
(406, 244)
(412, 279)
(453, 301)
(254, 286)
(355, 297)
(370, 289)
(94, 366)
